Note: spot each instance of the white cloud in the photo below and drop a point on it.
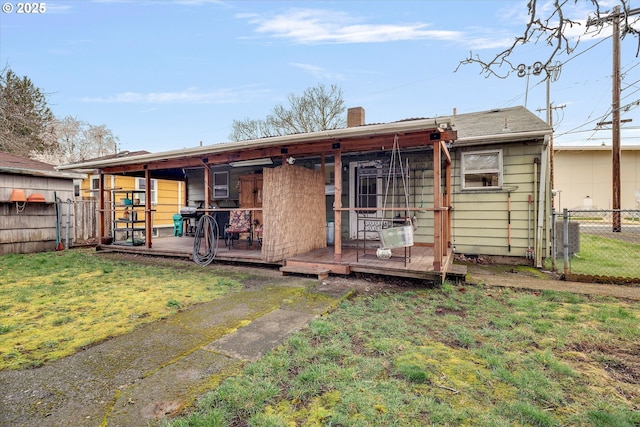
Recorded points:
(311, 26)
(189, 96)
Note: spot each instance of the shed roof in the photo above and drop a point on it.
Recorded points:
(10, 163)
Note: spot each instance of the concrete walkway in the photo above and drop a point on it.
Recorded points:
(153, 372)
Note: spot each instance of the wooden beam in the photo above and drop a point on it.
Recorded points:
(337, 205)
(445, 150)
(447, 214)
(207, 185)
(437, 214)
(101, 213)
(147, 210)
(381, 142)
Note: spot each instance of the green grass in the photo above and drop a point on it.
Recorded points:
(602, 256)
(52, 304)
(468, 355)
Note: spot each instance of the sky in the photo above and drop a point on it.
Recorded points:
(171, 74)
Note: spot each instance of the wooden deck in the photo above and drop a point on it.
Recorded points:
(354, 260)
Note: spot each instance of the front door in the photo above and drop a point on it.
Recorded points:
(365, 191)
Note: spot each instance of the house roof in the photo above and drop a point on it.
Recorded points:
(499, 125)
(10, 163)
(473, 128)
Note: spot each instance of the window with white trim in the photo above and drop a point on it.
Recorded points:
(482, 170)
(221, 185)
(141, 184)
(94, 185)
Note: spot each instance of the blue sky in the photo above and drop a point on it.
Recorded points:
(167, 74)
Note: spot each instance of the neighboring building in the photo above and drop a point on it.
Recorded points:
(167, 196)
(583, 177)
(34, 222)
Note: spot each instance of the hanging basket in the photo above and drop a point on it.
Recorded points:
(396, 237)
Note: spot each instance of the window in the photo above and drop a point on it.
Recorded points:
(94, 185)
(221, 185)
(482, 170)
(141, 185)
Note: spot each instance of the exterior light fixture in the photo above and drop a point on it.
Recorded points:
(253, 162)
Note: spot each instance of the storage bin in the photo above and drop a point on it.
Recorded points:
(396, 237)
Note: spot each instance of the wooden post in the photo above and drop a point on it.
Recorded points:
(208, 175)
(101, 207)
(437, 213)
(337, 206)
(446, 220)
(147, 208)
(207, 186)
(447, 203)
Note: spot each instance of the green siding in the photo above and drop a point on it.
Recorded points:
(480, 218)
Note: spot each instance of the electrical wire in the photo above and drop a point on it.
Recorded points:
(205, 242)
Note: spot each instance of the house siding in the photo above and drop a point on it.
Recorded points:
(480, 218)
(420, 186)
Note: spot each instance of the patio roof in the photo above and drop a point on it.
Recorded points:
(313, 142)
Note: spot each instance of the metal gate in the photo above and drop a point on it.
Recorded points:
(598, 245)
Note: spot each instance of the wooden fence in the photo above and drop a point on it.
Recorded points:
(85, 223)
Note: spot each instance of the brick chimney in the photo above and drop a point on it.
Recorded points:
(355, 117)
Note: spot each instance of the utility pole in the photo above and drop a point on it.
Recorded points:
(615, 18)
(615, 118)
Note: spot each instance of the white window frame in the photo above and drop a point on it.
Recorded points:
(140, 185)
(489, 171)
(94, 185)
(221, 191)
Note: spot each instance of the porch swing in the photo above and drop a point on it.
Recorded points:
(397, 232)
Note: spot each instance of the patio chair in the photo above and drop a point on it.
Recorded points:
(239, 222)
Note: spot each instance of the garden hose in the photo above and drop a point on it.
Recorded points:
(205, 241)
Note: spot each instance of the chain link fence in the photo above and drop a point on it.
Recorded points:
(598, 245)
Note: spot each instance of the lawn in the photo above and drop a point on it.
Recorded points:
(603, 256)
(453, 355)
(53, 304)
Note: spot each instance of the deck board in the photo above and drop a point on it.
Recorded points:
(353, 259)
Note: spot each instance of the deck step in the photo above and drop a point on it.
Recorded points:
(322, 273)
(457, 272)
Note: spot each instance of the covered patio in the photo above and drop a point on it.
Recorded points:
(290, 203)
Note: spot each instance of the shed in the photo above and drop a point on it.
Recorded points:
(29, 223)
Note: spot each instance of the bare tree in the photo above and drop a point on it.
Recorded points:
(552, 28)
(77, 141)
(318, 108)
(25, 118)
